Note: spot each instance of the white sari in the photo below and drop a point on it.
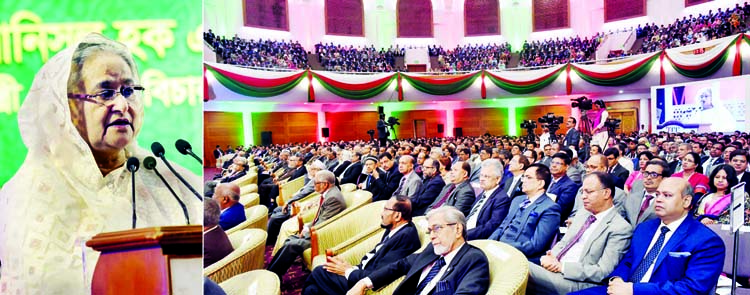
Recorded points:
(58, 199)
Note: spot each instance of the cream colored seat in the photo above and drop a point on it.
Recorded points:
(256, 282)
(348, 187)
(250, 199)
(255, 217)
(509, 268)
(249, 246)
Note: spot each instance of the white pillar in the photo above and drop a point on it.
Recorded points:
(247, 129)
(321, 125)
(643, 114)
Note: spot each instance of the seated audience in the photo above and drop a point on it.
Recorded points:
(491, 206)
(448, 265)
(432, 184)
(553, 52)
(411, 182)
(385, 183)
(281, 214)
(460, 194)
(399, 240)
(260, 53)
(533, 219)
(639, 204)
(596, 240)
(674, 254)
(232, 212)
(643, 158)
(216, 244)
(562, 186)
(332, 203)
(699, 182)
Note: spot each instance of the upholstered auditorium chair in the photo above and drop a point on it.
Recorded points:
(249, 199)
(421, 224)
(249, 189)
(509, 268)
(249, 247)
(340, 228)
(298, 206)
(248, 179)
(348, 187)
(287, 190)
(256, 217)
(259, 282)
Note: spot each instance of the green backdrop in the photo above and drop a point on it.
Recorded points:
(164, 36)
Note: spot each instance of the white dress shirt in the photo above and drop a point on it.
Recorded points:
(575, 251)
(472, 221)
(672, 228)
(513, 184)
(369, 255)
(448, 258)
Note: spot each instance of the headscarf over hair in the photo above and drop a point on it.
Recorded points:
(59, 199)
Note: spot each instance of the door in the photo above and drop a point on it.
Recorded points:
(420, 128)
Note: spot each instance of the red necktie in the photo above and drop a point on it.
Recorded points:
(317, 214)
(445, 197)
(644, 206)
(578, 236)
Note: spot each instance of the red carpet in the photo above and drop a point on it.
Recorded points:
(208, 173)
(294, 279)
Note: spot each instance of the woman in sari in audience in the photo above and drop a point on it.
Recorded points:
(697, 180)
(714, 204)
(643, 158)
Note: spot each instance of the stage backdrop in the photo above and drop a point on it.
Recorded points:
(164, 36)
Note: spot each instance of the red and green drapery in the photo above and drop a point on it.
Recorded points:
(711, 57)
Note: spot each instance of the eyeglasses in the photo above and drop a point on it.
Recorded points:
(651, 174)
(320, 182)
(529, 177)
(437, 228)
(107, 95)
(390, 209)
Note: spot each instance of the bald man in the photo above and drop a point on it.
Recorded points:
(232, 212)
(672, 254)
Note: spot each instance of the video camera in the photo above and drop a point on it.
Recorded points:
(528, 124)
(393, 121)
(612, 124)
(550, 119)
(583, 103)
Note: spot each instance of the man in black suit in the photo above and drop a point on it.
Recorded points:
(714, 158)
(218, 153)
(382, 130)
(386, 184)
(562, 186)
(738, 160)
(615, 169)
(400, 239)
(352, 171)
(517, 166)
(682, 150)
(460, 194)
(451, 265)
(236, 170)
(431, 186)
(491, 205)
(572, 137)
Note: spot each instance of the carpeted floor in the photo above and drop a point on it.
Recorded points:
(208, 173)
(292, 281)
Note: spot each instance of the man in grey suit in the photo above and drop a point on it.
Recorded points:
(590, 250)
(639, 204)
(411, 182)
(533, 219)
(459, 194)
(598, 163)
(572, 136)
(295, 245)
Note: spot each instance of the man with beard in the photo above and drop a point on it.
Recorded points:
(451, 265)
(431, 186)
(400, 239)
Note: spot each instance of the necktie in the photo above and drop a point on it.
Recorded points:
(320, 207)
(551, 186)
(369, 179)
(430, 275)
(400, 186)
(577, 237)
(525, 204)
(444, 198)
(479, 205)
(640, 271)
(374, 250)
(645, 205)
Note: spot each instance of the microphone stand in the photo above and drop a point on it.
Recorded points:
(197, 195)
(182, 204)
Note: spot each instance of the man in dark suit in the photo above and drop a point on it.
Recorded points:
(353, 171)
(533, 219)
(460, 194)
(281, 214)
(333, 203)
(411, 182)
(385, 184)
(572, 136)
(431, 186)
(615, 168)
(269, 189)
(714, 158)
(682, 150)
(228, 197)
(562, 186)
(674, 254)
(400, 239)
(595, 242)
(382, 130)
(365, 180)
(216, 244)
(738, 160)
(218, 153)
(452, 266)
(512, 186)
(236, 170)
(492, 204)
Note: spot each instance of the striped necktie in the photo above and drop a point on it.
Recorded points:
(650, 257)
(430, 275)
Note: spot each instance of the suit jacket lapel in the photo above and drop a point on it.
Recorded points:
(455, 260)
(676, 238)
(640, 248)
(598, 230)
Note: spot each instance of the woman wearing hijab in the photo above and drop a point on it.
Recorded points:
(79, 122)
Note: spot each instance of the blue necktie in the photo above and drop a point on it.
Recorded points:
(430, 275)
(640, 271)
(525, 204)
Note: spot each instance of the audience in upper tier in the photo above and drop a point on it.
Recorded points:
(553, 52)
(471, 57)
(339, 58)
(260, 53)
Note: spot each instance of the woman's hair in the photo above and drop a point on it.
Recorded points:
(91, 45)
(696, 158)
(731, 177)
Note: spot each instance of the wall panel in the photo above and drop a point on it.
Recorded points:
(220, 128)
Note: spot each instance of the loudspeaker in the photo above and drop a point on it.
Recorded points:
(441, 128)
(325, 132)
(265, 138)
(381, 110)
(458, 132)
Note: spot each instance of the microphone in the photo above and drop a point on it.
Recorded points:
(158, 150)
(132, 166)
(184, 148)
(150, 164)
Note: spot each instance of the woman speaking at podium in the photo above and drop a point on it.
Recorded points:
(79, 122)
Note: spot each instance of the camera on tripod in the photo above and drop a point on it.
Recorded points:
(585, 103)
(528, 124)
(612, 124)
(550, 119)
(393, 121)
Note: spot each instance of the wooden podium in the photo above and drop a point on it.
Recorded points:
(155, 260)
